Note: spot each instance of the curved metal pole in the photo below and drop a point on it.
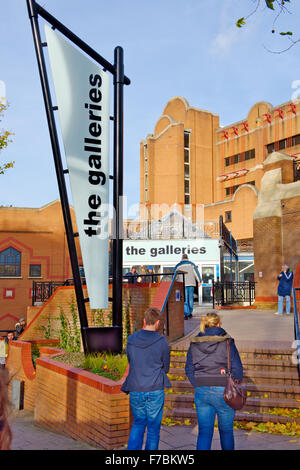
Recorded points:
(59, 168)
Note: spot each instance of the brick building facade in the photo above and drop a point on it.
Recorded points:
(33, 246)
(190, 160)
(276, 226)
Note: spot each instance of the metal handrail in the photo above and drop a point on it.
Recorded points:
(296, 325)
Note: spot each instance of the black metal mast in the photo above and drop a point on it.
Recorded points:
(117, 70)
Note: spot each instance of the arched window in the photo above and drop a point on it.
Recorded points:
(10, 263)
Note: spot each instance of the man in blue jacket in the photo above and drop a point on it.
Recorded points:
(285, 285)
(148, 355)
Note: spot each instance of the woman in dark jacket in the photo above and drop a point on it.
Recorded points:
(206, 368)
(285, 285)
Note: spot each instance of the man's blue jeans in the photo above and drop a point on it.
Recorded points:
(209, 402)
(189, 300)
(287, 304)
(147, 409)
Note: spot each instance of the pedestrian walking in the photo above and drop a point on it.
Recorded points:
(132, 276)
(20, 327)
(192, 278)
(148, 355)
(4, 348)
(284, 289)
(5, 430)
(206, 369)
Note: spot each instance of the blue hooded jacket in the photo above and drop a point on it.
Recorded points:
(148, 355)
(285, 283)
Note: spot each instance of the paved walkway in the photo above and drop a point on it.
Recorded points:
(261, 327)
(249, 327)
(27, 436)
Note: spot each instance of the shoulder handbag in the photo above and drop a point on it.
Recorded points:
(234, 394)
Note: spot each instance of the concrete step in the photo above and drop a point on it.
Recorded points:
(247, 355)
(182, 414)
(257, 389)
(271, 377)
(253, 404)
(254, 376)
(269, 364)
(275, 391)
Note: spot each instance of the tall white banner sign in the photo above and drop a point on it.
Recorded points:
(82, 93)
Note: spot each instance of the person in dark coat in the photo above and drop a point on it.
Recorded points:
(132, 276)
(206, 369)
(148, 355)
(284, 290)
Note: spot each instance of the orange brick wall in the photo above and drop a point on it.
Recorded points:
(82, 405)
(68, 400)
(20, 367)
(39, 234)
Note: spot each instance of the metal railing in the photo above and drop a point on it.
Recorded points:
(228, 293)
(42, 290)
(296, 297)
(165, 230)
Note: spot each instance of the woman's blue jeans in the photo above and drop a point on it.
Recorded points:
(189, 300)
(147, 409)
(209, 402)
(287, 303)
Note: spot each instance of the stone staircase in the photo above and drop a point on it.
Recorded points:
(270, 377)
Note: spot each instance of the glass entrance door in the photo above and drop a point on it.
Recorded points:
(208, 275)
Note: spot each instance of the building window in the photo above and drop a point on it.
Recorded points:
(270, 148)
(186, 199)
(228, 216)
(10, 263)
(236, 158)
(186, 140)
(187, 195)
(9, 294)
(35, 270)
(186, 187)
(146, 171)
(296, 140)
(282, 144)
(249, 154)
(240, 157)
(227, 191)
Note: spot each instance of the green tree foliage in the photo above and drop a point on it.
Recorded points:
(278, 7)
(4, 140)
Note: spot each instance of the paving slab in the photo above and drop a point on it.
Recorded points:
(247, 327)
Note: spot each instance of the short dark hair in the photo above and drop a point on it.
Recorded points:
(184, 256)
(152, 315)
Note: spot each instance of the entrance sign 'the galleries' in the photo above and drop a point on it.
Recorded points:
(170, 251)
(82, 93)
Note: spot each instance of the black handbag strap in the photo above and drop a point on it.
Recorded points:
(228, 357)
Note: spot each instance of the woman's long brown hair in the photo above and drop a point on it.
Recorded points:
(5, 430)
